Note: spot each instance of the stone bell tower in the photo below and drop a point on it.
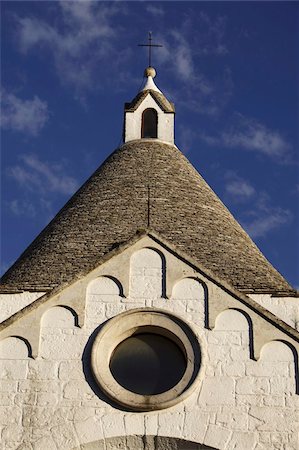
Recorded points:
(149, 115)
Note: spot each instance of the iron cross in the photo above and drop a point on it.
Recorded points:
(150, 45)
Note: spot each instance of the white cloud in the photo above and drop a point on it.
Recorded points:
(155, 10)
(27, 116)
(238, 189)
(184, 64)
(249, 134)
(85, 40)
(186, 138)
(212, 34)
(36, 174)
(263, 217)
(22, 208)
(275, 218)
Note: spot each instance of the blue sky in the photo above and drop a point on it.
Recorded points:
(230, 67)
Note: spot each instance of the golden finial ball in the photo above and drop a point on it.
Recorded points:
(150, 72)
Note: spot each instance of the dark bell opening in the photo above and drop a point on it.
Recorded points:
(149, 127)
(147, 364)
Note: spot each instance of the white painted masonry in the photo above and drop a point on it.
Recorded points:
(133, 121)
(12, 303)
(52, 402)
(286, 308)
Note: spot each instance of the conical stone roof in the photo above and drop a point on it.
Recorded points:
(144, 184)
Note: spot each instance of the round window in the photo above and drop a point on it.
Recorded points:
(146, 359)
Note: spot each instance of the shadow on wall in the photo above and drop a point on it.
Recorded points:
(144, 443)
(86, 358)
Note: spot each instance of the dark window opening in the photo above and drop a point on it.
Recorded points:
(149, 127)
(147, 364)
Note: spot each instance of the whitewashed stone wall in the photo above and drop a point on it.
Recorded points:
(52, 402)
(286, 308)
(12, 303)
(165, 122)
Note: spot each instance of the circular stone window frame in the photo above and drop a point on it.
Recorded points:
(134, 322)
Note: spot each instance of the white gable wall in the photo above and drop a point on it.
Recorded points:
(12, 303)
(286, 308)
(52, 402)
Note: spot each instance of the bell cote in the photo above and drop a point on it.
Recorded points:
(150, 115)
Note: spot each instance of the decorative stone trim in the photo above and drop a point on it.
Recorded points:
(138, 321)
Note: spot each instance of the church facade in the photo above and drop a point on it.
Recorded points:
(144, 317)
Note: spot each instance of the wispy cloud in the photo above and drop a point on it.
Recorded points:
(35, 174)
(85, 39)
(27, 116)
(257, 214)
(249, 134)
(184, 51)
(212, 34)
(155, 10)
(238, 189)
(268, 221)
(22, 208)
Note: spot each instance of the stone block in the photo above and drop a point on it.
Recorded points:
(29, 386)
(62, 347)
(112, 310)
(232, 419)
(248, 400)
(195, 425)
(171, 424)
(8, 386)
(7, 398)
(267, 369)
(40, 417)
(216, 436)
(10, 415)
(71, 370)
(89, 430)
(113, 425)
(41, 369)
(241, 441)
(272, 419)
(233, 369)
(274, 401)
(240, 353)
(46, 399)
(65, 436)
(13, 369)
(282, 385)
(252, 386)
(27, 399)
(45, 442)
(95, 312)
(134, 424)
(12, 433)
(133, 442)
(75, 390)
(217, 391)
(219, 353)
(151, 424)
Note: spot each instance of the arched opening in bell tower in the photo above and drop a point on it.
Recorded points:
(149, 123)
